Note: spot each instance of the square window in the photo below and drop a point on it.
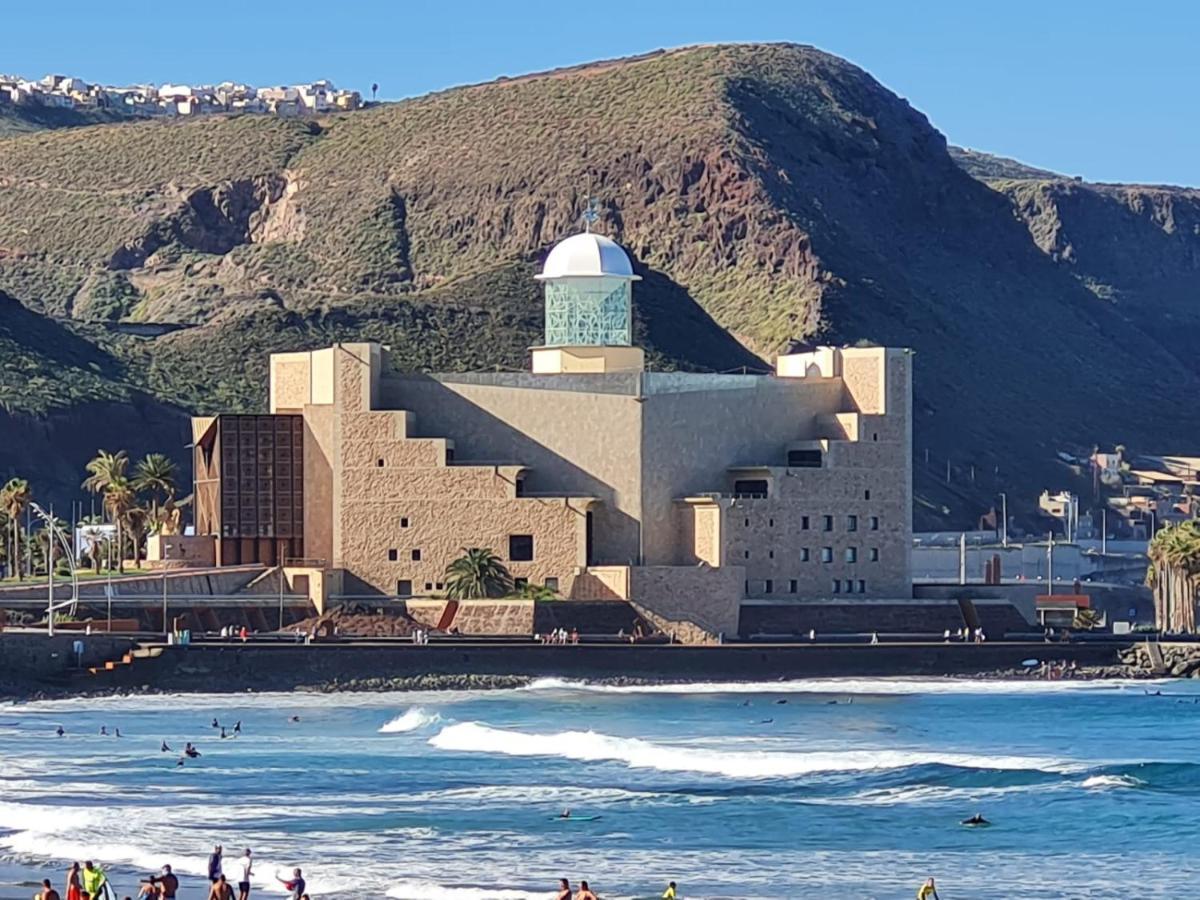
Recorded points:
(404, 521)
(873, 523)
(429, 585)
(873, 554)
(852, 523)
(519, 583)
(862, 586)
(827, 523)
(438, 586)
(552, 584)
(416, 555)
(404, 588)
(792, 586)
(804, 523)
(379, 463)
(393, 554)
(851, 554)
(803, 554)
(520, 547)
(768, 586)
(837, 586)
(826, 554)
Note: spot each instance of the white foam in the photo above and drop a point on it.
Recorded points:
(590, 746)
(428, 890)
(410, 720)
(855, 686)
(1100, 782)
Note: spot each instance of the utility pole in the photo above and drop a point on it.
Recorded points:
(962, 558)
(281, 577)
(166, 626)
(1104, 531)
(1050, 562)
(1004, 518)
(50, 575)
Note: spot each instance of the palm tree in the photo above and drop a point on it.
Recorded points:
(93, 539)
(477, 573)
(137, 523)
(106, 476)
(155, 474)
(1174, 575)
(15, 496)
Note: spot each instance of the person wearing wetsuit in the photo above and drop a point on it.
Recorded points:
(976, 819)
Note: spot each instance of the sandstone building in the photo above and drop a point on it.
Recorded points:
(687, 494)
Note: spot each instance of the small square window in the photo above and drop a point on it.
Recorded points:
(803, 554)
(379, 463)
(519, 583)
(437, 586)
(804, 523)
(826, 554)
(827, 523)
(852, 523)
(416, 556)
(837, 586)
(792, 586)
(520, 547)
(873, 523)
(393, 554)
(404, 521)
(404, 588)
(552, 584)
(873, 554)
(862, 586)
(429, 585)
(851, 554)
(768, 586)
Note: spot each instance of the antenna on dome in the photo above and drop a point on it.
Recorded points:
(591, 213)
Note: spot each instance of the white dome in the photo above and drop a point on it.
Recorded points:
(587, 255)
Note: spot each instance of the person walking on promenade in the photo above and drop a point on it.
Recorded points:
(295, 884)
(245, 869)
(220, 890)
(585, 892)
(564, 890)
(47, 892)
(214, 864)
(927, 891)
(94, 879)
(74, 882)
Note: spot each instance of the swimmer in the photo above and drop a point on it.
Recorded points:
(223, 734)
(976, 819)
(60, 731)
(104, 730)
(216, 724)
(294, 719)
(237, 727)
(780, 702)
(164, 748)
(116, 732)
(766, 721)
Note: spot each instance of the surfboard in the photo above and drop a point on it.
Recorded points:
(574, 818)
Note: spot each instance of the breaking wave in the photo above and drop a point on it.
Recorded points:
(410, 720)
(1096, 782)
(847, 686)
(590, 746)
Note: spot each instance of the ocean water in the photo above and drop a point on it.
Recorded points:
(834, 789)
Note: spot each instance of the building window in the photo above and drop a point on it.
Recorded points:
(867, 494)
(826, 554)
(755, 488)
(803, 554)
(416, 556)
(851, 554)
(804, 523)
(746, 522)
(552, 584)
(428, 586)
(827, 523)
(745, 554)
(873, 523)
(804, 459)
(520, 547)
(379, 463)
(519, 583)
(837, 586)
(449, 455)
(404, 521)
(746, 588)
(852, 523)
(393, 554)
(873, 554)
(768, 586)
(849, 586)
(874, 435)
(792, 586)
(862, 586)
(770, 554)
(404, 588)
(437, 586)
(770, 523)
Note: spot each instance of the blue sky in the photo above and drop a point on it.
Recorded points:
(1103, 89)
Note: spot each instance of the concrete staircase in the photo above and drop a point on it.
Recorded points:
(141, 651)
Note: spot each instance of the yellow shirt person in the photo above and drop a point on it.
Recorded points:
(927, 891)
(669, 893)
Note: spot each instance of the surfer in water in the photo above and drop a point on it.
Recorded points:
(927, 891)
(165, 748)
(975, 820)
(565, 814)
(60, 731)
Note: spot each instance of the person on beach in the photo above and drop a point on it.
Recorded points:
(296, 884)
(585, 892)
(927, 891)
(94, 879)
(74, 882)
(669, 893)
(221, 889)
(245, 870)
(47, 892)
(214, 864)
(564, 890)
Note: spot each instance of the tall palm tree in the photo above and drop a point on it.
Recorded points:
(1174, 575)
(154, 474)
(93, 539)
(476, 574)
(15, 496)
(106, 476)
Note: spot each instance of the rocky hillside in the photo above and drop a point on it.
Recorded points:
(768, 192)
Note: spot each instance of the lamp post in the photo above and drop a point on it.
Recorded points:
(1003, 519)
